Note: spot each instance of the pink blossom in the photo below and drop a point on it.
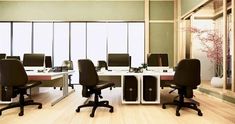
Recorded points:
(211, 44)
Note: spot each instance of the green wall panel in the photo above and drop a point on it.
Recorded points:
(187, 5)
(162, 39)
(72, 10)
(161, 10)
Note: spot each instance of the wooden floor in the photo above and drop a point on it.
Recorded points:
(214, 111)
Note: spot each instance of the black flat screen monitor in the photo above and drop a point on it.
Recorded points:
(155, 59)
(33, 60)
(118, 60)
(2, 56)
(13, 57)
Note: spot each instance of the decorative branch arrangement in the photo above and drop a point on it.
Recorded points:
(211, 42)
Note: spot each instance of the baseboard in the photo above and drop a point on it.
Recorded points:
(217, 95)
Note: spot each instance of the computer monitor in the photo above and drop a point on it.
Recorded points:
(118, 61)
(33, 60)
(2, 56)
(156, 59)
(14, 57)
(157, 62)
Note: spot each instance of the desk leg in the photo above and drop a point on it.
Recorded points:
(65, 90)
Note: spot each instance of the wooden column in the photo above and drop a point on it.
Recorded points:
(224, 43)
(179, 34)
(146, 22)
(176, 26)
(233, 47)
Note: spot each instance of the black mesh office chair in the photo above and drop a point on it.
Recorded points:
(89, 80)
(102, 64)
(48, 61)
(2, 56)
(69, 65)
(12, 74)
(187, 77)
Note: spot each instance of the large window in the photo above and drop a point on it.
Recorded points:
(5, 38)
(74, 40)
(136, 43)
(43, 36)
(78, 46)
(117, 37)
(61, 43)
(22, 38)
(96, 41)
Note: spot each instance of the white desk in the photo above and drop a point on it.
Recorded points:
(159, 75)
(51, 76)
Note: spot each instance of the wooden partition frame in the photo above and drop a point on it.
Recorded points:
(225, 32)
(146, 23)
(233, 47)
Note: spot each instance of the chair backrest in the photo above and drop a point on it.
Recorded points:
(14, 57)
(48, 61)
(157, 59)
(102, 63)
(12, 73)
(2, 56)
(68, 64)
(188, 73)
(87, 73)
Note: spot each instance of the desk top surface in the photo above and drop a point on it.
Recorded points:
(120, 73)
(35, 75)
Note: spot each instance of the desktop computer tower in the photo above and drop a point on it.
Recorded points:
(149, 88)
(6, 93)
(130, 88)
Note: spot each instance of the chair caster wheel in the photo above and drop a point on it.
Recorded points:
(0, 113)
(40, 106)
(91, 115)
(177, 114)
(78, 110)
(111, 110)
(21, 114)
(164, 106)
(200, 113)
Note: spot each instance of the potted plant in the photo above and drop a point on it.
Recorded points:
(211, 42)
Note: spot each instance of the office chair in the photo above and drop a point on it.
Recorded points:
(187, 77)
(102, 64)
(2, 56)
(69, 65)
(89, 80)
(12, 74)
(48, 61)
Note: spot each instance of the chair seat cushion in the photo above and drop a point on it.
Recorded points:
(30, 85)
(103, 85)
